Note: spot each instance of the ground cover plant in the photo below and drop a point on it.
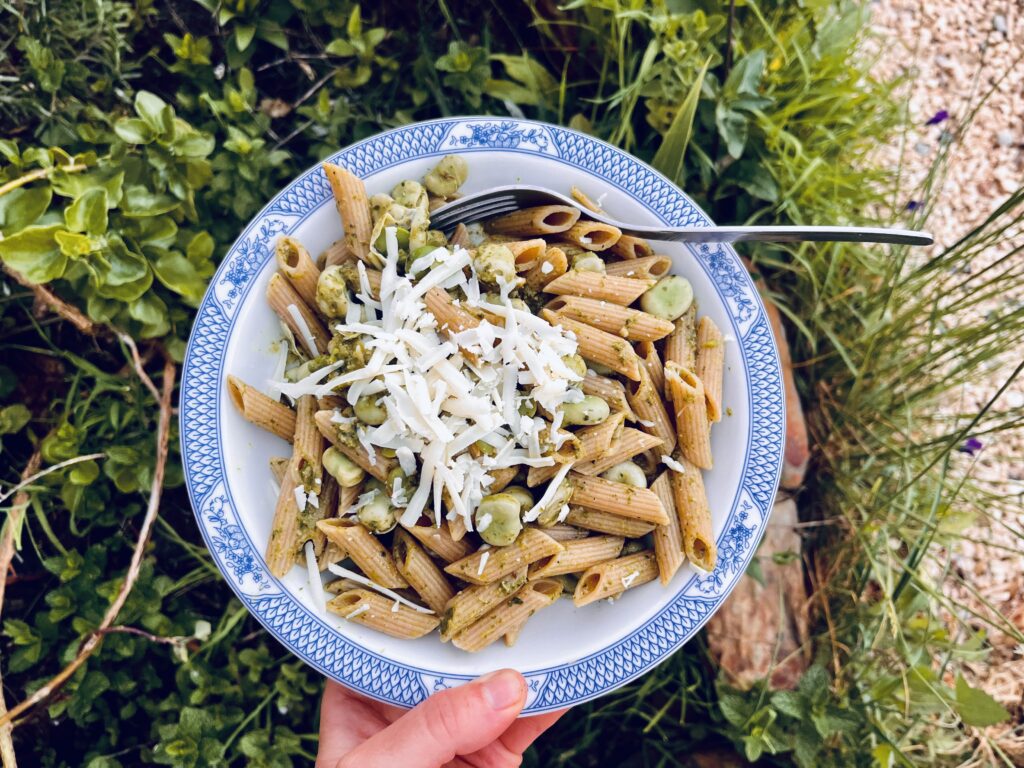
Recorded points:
(136, 139)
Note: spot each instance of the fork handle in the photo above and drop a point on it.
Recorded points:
(782, 234)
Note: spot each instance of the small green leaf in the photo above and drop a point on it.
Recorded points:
(34, 253)
(13, 418)
(340, 47)
(8, 381)
(139, 201)
(355, 23)
(84, 473)
(74, 244)
(244, 33)
(669, 157)
(193, 145)
(745, 75)
(156, 112)
(88, 213)
(21, 207)
(976, 707)
(133, 130)
(177, 273)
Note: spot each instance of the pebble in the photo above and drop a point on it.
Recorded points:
(999, 23)
(922, 149)
(1005, 138)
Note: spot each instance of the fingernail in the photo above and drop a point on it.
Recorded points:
(502, 689)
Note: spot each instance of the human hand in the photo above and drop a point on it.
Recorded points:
(472, 726)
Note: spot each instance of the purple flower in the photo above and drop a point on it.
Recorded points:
(971, 446)
(913, 205)
(938, 117)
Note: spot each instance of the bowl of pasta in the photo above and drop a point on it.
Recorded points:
(531, 441)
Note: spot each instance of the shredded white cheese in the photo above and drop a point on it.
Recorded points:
(483, 563)
(345, 573)
(300, 498)
(547, 267)
(300, 322)
(629, 578)
(396, 606)
(672, 464)
(357, 612)
(316, 585)
(644, 423)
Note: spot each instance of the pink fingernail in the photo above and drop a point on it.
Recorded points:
(502, 689)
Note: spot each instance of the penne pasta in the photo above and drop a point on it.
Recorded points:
(457, 527)
(469, 604)
(539, 220)
(694, 516)
(379, 613)
(509, 615)
(593, 443)
(625, 500)
(513, 634)
(353, 207)
(614, 577)
(692, 426)
(500, 478)
(607, 522)
(652, 362)
(282, 547)
(592, 235)
(265, 412)
(378, 465)
(649, 408)
(337, 253)
(451, 318)
(609, 390)
(295, 263)
(594, 285)
(278, 468)
(417, 568)
(527, 253)
(552, 264)
(668, 538)
(460, 237)
(488, 565)
(310, 333)
(438, 539)
(629, 247)
(645, 268)
(681, 344)
(331, 402)
(583, 199)
(631, 443)
(616, 319)
(710, 365)
(599, 346)
(562, 532)
(577, 555)
(365, 550)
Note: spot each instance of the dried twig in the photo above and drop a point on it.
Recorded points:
(93, 641)
(129, 342)
(60, 307)
(10, 760)
(40, 173)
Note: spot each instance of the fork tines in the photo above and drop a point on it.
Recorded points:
(447, 218)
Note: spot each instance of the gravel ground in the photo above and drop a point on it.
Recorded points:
(945, 45)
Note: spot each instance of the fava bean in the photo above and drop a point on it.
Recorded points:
(401, 235)
(332, 292)
(370, 410)
(669, 299)
(494, 261)
(627, 472)
(410, 194)
(505, 522)
(590, 410)
(377, 515)
(549, 515)
(447, 176)
(601, 370)
(342, 468)
(588, 262)
(576, 364)
(524, 496)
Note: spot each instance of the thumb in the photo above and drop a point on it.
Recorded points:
(457, 721)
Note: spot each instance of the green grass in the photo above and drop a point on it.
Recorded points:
(785, 124)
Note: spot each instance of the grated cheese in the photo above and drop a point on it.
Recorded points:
(345, 573)
(483, 563)
(300, 322)
(300, 498)
(672, 464)
(629, 578)
(357, 612)
(316, 584)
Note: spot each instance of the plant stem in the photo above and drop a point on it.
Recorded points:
(39, 173)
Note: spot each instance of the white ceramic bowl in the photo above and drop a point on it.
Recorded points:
(568, 655)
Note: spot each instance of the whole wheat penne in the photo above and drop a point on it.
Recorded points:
(609, 390)
(584, 199)
(651, 360)
(326, 507)
(552, 264)
(469, 604)
(630, 444)
(263, 411)
(488, 565)
(457, 527)
(527, 253)
(539, 220)
(694, 515)
(592, 235)
(278, 468)
(647, 267)
(562, 532)
(460, 237)
(373, 278)
(614, 577)
(508, 615)
(593, 441)
(353, 207)
(512, 635)
(629, 247)
(681, 344)
(577, 555)
(347, 497)
(378, 612)
(594, 285)
(295, 263)
(450, 317)
(418, 568)
(599, 346)
(438, 539)
(379, 466)
(649, 408)
(332, 552)
(331, 402)
(500, 478)
(710, 365)
(616, 319)
(692, 426)
(607, 522)
(336, 253)
(310, 333)
(668, 538)
(282, 547)
(309, 442)
(365, 550)
(622, 499)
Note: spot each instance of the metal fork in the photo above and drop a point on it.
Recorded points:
(502, 200)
